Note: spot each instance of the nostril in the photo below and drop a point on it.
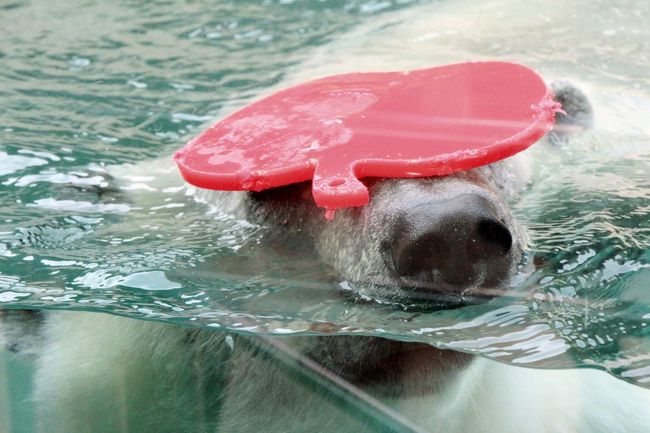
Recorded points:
(495, 233)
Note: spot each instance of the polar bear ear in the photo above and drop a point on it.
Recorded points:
(577, 114)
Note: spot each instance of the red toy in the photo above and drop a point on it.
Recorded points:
(428, 122)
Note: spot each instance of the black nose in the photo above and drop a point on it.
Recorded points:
(456, 242)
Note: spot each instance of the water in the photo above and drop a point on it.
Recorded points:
(85, 86)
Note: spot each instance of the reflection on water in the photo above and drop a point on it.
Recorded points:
(129, 82)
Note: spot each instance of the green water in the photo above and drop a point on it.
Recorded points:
(88, 85)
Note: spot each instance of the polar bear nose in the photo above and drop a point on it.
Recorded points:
(458, 242)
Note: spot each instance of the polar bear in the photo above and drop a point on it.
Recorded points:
(444, 242)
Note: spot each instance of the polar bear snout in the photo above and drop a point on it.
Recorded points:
(450, 244)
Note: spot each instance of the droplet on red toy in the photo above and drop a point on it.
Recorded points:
(336, 130)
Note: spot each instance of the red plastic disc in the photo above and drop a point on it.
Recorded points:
(427, 122)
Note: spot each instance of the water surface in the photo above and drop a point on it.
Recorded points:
(86, 85)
